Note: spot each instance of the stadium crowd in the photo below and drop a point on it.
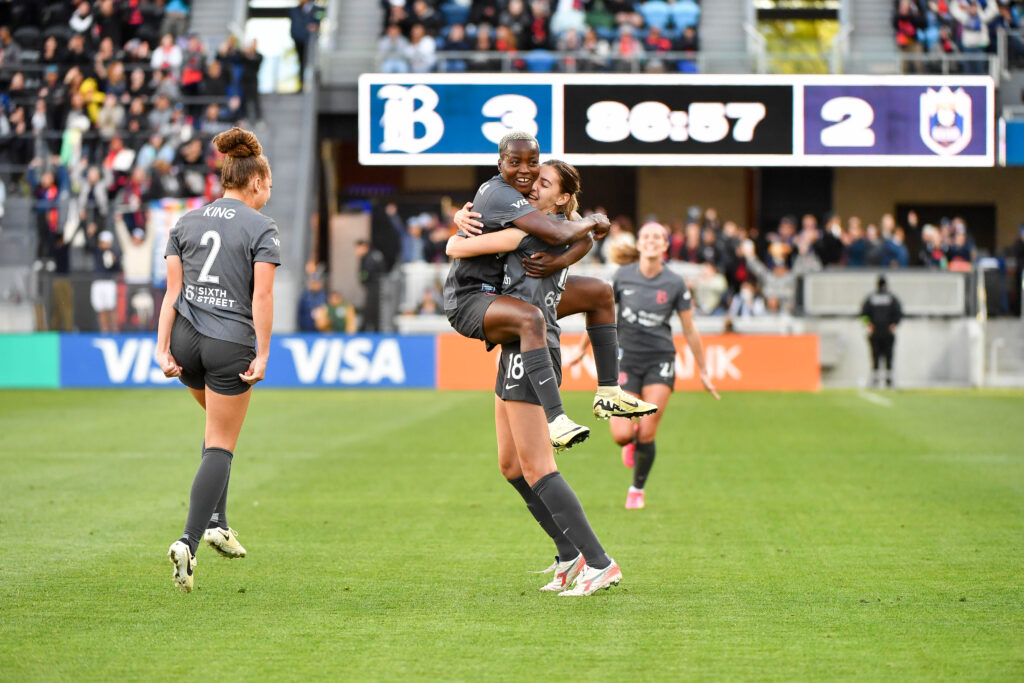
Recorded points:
(107, 105)
(952, 27)
(539, 35)
(743, 271)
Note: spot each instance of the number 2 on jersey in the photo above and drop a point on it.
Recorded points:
(204, 274)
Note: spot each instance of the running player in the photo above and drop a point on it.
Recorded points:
(214, 330)
(648, 294)
(474, 316)
(524, 455)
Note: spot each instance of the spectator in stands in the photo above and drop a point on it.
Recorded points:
(568, 15)
(106, 269)
(133, 197)
(709, 251)
(423, 13)
(162, 83)
(305, 24)
(897, 255)
(371, 270)
(251, 60)
(421, 50)
(430, 304)
(192, 70)
(628, 49)
(595, 51)
(874, 247)
(854, 244)
(313, 302)
(518, 18)
(931, 254)
(339, 315)
(907, 21)
(48, 185)
(81, 19)
(392, 50)
(1018, 254)
(539, 35)
(960, 254)
(191, 169)
(214, 83)
(624, 12)
(10, 51)
(484, 13)
(456, 42)
(709, 290)
(688, 41)
(747, 303)
(175, 18)
(167, 56)
(93, 201)
(691, 247)
(974, 37)
(161, 113)
(211, 124)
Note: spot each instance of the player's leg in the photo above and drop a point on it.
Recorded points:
(875, 359)
(647, 429)
(538, 463)
(623, 429)
(594, 298)
(219, 535)
(887, 344)
(508, 319)
(508, 463)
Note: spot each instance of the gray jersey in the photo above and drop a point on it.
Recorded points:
(544, 293)
(500, 205)
(646, 307)
(218, 245)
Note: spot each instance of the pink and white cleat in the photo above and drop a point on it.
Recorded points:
(565, 573)
(592, 580)
(627, 454)
(635, 499)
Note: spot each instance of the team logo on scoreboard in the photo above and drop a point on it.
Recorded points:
(946, 120)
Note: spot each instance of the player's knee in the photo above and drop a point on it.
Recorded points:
(531, 323)
(646, 433)
(510, 469)
(605, 295)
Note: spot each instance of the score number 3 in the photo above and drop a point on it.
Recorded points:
(852, 118)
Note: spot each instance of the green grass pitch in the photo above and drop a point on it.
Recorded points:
(787, 536)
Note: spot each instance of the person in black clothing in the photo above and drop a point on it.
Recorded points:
(251, 59)
(882, 312)
(305, 25)
(371, 269)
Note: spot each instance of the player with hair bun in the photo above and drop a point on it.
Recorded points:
(214, 330)
(648, 294)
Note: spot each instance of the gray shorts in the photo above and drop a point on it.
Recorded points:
(512, 384)
(468, 318)
(208, 362)
(635, 373)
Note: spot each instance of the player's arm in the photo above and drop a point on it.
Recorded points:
(559, 233)
(543, 264)
(262, 317)
(163, 355)
(498, 242)
(697, 348)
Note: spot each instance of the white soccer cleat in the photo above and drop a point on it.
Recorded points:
(184, 562)
(224, 541)
(565, 573)
(565, 433)
(592, 580)
(614, 402)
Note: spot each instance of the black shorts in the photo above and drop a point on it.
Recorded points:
(209, 362)
(636, 373)
(512, 384)
(468, 318)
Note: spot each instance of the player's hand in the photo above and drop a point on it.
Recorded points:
(601, 225)
(541, 264)
(168, 365)
(465, 220)
(573, 356)
(892, 329)
(708, 386)
(256, 370)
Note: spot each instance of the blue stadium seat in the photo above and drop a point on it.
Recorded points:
(454, 14)
(540, 61)
(685, 13)
(656, 13)
(688, 66)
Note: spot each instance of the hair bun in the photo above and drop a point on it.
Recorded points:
(238, 143)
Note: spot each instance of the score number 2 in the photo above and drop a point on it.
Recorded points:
(852, 118)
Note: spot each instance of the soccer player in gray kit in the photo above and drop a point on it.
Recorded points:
(648, 294)
(214, 330)
(477, 309)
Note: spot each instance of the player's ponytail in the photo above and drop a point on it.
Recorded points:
(569, 182)
(243, 160)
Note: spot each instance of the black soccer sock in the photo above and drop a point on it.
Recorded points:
(207, 488)
(563, 547)
(605, 341)
(219, 519)
(537, 363)
(568, 514)
(643, 459)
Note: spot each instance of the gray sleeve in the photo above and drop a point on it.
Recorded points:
(684, 301)
(505, 205)
(266, 246)
(173, 247)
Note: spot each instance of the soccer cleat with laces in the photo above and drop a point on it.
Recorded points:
(592, 580)
(635, 499)
(224, 541)
(565, 433)
(184, 562)
(614, 402)
(565, 573)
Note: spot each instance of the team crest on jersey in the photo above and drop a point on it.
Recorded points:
(946, 120)
(661, 297)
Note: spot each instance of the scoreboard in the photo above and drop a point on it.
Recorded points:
(664, 120)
